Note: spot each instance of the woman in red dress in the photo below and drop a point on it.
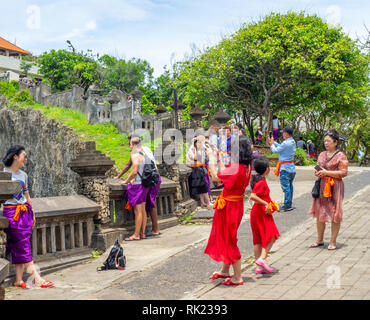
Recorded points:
(222, 242)
(263, 226)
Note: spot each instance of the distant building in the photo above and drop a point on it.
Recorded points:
(10, 62)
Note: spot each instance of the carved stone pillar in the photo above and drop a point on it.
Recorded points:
(92, 165)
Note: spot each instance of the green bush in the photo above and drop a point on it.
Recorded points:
(302, 159)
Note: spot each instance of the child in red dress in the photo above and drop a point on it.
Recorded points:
(263, 226)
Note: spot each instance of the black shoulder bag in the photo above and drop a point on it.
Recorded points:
(316, 188)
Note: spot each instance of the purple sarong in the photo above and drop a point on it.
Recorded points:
(152, 194)
(136, 194)
(208, 183)
(19, 234)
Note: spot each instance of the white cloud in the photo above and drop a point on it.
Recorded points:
(333, 15)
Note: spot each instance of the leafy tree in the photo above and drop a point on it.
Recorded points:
(124, 75)
(289, 63)
(62, 69)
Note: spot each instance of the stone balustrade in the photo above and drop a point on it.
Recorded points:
(63, 232)
(120, 216)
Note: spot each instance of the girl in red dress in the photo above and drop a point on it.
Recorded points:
(263, 226)
(222, 242)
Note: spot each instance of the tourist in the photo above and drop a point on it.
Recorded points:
(150, 205)
(225, 144)
(258, 136)
(263, 226)
(22, 220)
(275, 127)
(136, 192)
(311, 149)
(328, 207)
(235, 130)
(229, 209)
(285, 167)
(213, 136)
(207, 176)
(195, 158)
(301, 144)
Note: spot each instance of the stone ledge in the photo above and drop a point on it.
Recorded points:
(3, 222)
(64, 205)
(103, 239)
(4, 269)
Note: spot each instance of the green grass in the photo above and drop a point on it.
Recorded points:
(106, 136)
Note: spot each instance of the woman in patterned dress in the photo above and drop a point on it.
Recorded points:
(328, 207)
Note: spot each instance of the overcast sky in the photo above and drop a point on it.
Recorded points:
(155, 30)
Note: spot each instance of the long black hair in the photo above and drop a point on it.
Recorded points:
(245, 151)
(260, 166)
(13, 151)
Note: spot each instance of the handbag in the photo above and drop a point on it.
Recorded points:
(316, 188)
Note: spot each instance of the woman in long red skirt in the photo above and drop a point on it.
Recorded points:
(222, 242)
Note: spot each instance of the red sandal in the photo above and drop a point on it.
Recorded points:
(230, 283)
(46, 284)
(23, 285)
(216, 275)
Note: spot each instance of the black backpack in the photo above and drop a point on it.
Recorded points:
(150, 176)
(115, 260)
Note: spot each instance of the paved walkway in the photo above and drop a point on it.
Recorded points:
(173, 265)
(311, 273)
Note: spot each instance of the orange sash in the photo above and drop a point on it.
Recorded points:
(20, 207)
(221, 200)
(277, 170)
(198, 164)
(273, 206)
(328, 184)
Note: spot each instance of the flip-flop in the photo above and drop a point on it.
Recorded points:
(151, 234)
(230, 283)
(132, 239)
(266, 267)
(261, 271)
(216, 275)
(331, 247)
(23, 285)
(315, 244)
(46, 284)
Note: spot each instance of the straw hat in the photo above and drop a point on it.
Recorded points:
(199, 138)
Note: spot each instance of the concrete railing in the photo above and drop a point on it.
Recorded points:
(165, 202)
(63, 232)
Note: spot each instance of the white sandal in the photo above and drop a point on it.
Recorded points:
(331, 247)
(316, 244)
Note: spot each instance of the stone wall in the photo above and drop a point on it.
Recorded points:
(119, 108)
(50, 146)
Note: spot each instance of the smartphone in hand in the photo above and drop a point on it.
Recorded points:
(270, 134)
(318, 168)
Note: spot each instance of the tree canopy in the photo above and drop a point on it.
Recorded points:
(290, 64)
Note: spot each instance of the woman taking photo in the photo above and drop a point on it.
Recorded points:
(22, 220)
(222, 242)
(328, 207)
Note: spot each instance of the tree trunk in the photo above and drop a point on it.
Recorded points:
(249, 123)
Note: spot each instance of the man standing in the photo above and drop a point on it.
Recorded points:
(152, 193)
(311, 149)
(285, 167)
(275, 127)
(301, 144)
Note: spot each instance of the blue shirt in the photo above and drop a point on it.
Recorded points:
(286, 152)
